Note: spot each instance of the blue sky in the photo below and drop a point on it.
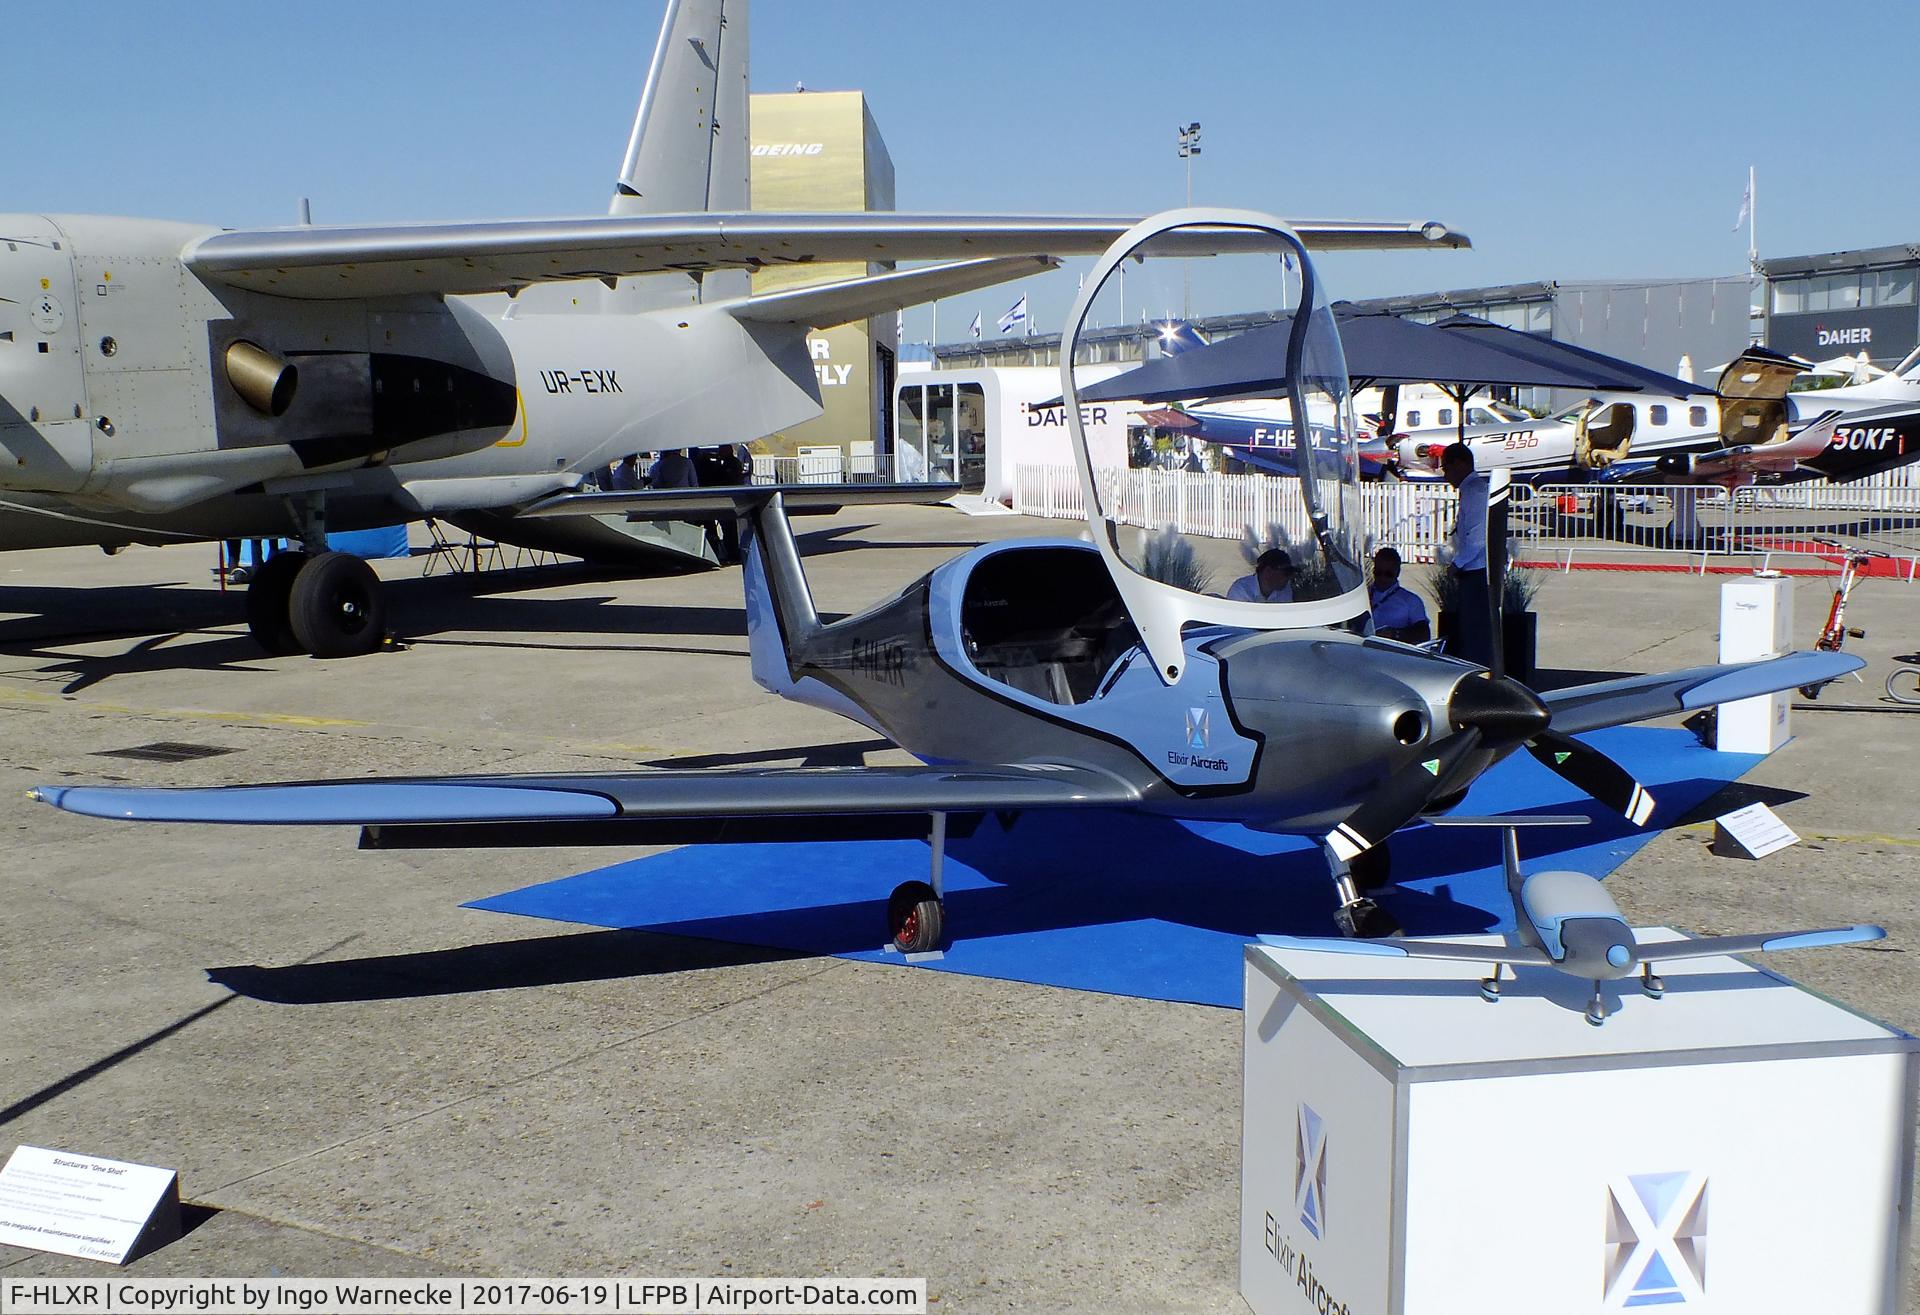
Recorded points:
(1571, 141)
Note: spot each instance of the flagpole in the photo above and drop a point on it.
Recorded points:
(1753, 222)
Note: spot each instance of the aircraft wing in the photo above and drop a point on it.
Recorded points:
(324, 263)
(1765, 943)
(1639, 698)
(1390, 947)
(669, 793)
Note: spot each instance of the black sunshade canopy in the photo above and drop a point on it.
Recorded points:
(1461, 352)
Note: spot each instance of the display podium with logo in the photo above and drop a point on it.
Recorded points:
(1738, 1145)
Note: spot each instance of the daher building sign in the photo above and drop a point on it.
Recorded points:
(1884, 333)
(1845, 303)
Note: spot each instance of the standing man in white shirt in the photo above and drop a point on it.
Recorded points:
(1271, 581)
(1473, 637)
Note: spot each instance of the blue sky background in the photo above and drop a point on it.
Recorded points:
(1571, 141)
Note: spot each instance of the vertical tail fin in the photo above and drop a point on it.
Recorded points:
(688, 151)
(689, 148)
(780, 616)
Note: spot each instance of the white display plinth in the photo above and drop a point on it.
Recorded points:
(1756, 621)
(1741, 1145)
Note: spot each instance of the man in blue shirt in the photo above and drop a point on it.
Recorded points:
(1472, 637)
(1398, 612)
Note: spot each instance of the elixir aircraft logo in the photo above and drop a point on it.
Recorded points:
(1656, 1240)
(1199, 729)
(1310, 1170)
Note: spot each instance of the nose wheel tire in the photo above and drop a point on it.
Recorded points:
(916, 918)
(335, 608)
(269, 596)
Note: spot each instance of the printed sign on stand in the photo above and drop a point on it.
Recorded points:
(1751, 832)
(81, 1205)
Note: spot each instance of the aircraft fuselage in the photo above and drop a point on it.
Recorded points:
(139, 403)
(1018, 652)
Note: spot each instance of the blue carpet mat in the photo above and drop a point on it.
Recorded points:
(1124, 904)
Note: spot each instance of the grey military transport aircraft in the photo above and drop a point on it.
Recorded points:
(164, 382)
(1054, 674)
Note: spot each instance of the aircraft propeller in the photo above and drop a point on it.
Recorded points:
(1492, 714)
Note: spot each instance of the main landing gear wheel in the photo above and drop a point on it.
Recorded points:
(268, 598)
(336, 608)
(916, 919)
(1366, 920)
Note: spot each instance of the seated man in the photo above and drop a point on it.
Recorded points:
(1271, 581)
(1398, 612)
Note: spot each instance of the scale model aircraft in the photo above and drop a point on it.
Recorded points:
(164, 382)
(1053, 674)
(1566, 921)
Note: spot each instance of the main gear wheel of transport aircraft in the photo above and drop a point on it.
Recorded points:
(328, 604)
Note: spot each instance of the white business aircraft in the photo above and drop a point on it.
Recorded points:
(165, 382)
(1753, 429)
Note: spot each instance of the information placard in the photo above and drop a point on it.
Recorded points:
(82, 1205)
(1751, 832)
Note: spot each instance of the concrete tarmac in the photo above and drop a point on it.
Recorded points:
(356, 1076)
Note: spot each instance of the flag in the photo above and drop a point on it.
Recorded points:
(1746, 204)
(1015, 316)
(974, 328)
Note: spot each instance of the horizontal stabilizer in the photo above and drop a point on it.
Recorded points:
(746, 792)
(855, 299)
(719, 499)
(1639, 698)
(324, 264)
(1398, 948)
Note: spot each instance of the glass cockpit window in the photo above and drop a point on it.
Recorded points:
(1262, 505)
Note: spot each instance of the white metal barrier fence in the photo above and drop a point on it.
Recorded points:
(817, 468)
(1556, 522)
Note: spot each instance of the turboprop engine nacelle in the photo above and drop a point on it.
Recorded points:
(125, 378)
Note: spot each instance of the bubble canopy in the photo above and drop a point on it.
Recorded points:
(1171, 580)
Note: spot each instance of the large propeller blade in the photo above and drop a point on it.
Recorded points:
(1592, 771)
(1499, 491)
(1403, 798)
(1494, 714)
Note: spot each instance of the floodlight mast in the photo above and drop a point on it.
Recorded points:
(1189, 135)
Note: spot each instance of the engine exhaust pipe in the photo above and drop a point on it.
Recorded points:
(264, 381)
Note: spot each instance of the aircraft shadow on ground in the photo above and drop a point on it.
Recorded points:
(841, 538)
(67, 614)
(175, 628)
(490, 966)
(1052, 889)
